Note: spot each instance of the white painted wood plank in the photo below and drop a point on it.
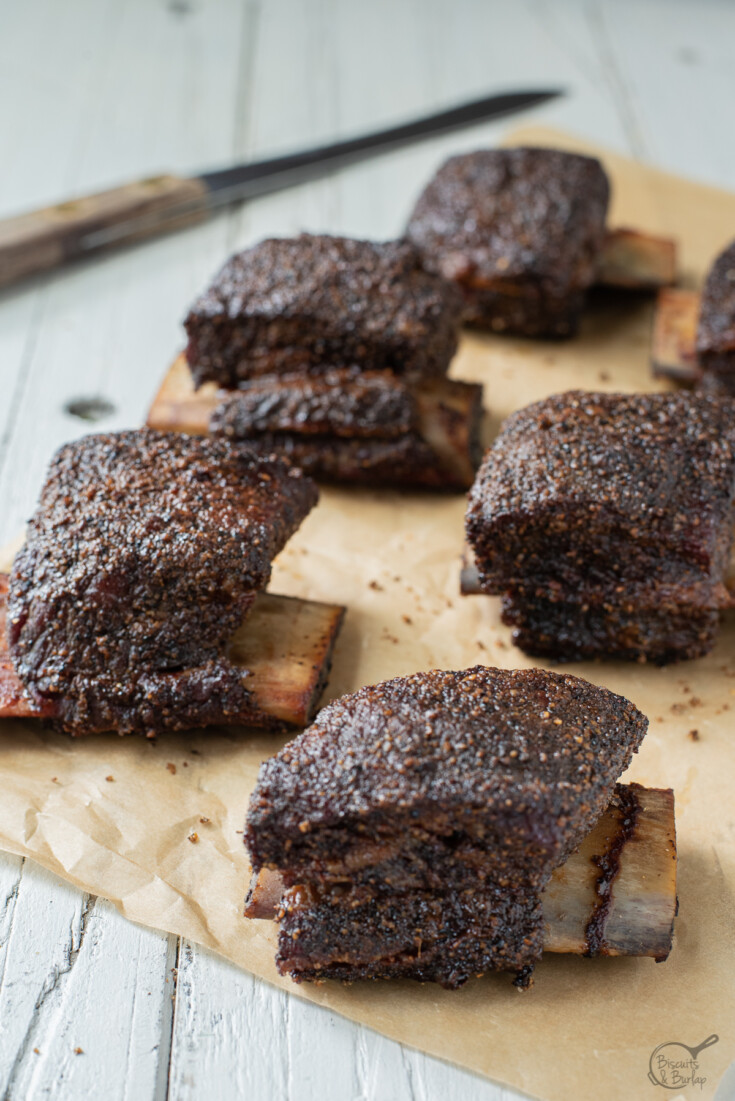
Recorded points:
(52, 57)
(11, 870)
(109, 1034)
(46, 916)
(674, 60)
(246, 1040)
(230, 1030)
(85, 1001)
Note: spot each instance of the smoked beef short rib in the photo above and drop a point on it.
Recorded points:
(602, 502)
(311, 303)
(520, 231)
(445, 797)
(371, 428)
(145, 554)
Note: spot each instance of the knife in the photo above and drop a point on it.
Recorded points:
(44, 239)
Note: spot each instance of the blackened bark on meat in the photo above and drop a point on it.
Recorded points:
(520, 231)
(395, 433)
(424, 936)
(624, 631)
(312, 303)
(443, 783)
(143, 557)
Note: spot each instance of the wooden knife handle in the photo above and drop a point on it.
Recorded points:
(44, 239)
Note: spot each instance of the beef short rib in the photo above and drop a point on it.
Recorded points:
(144, 556)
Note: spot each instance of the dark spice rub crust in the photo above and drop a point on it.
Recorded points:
(143, 557)
(341, 403)
(372, 429)
(572, 631)
(404, 463)
(316, 302)
(443, 938)
(452, 783)
(609, 496)
(520, 231)
(716, 329)
(397, 770)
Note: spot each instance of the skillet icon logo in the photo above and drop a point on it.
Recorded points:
(674, 1065)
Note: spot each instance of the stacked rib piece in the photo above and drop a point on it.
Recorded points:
(415, 824)
(605, 522)
(520, 231)
(334, 352)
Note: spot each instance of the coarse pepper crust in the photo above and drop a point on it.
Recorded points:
(445, 938)
(609, 496)
(433, 808)
(621, 630)
(312, 303)
(520, 231)
(144, 555)
(341, 403)
(458, 757)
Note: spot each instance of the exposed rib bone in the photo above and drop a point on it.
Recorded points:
(615, 896)
(637, 261)
(673, 349)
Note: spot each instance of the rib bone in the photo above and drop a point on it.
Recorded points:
(637, 261)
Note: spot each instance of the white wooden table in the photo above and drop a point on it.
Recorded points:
(93, 92)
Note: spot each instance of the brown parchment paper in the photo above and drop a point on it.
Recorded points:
(112, 816)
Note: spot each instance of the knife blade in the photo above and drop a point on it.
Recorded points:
(53, 236)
